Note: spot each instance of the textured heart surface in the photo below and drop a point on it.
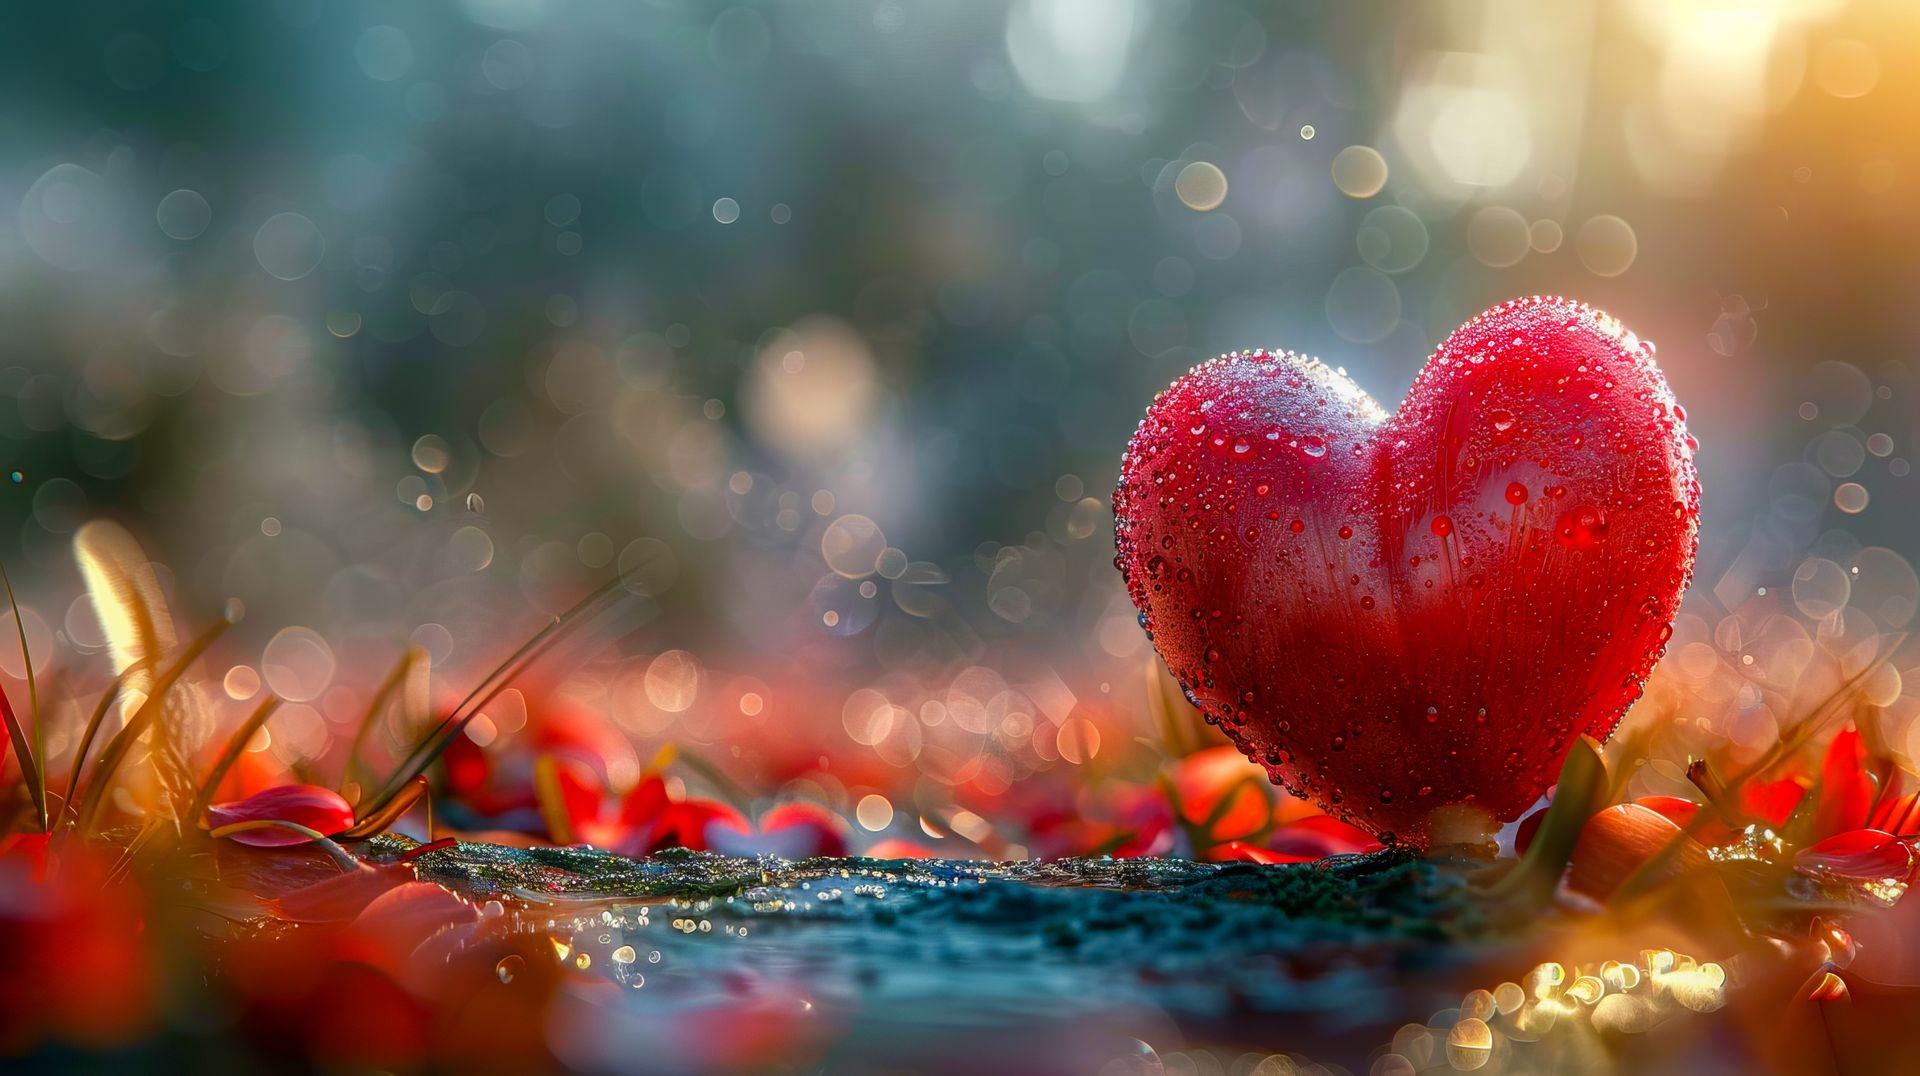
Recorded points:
(1397, 613)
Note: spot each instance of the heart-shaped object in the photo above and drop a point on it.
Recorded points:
(1396, 613)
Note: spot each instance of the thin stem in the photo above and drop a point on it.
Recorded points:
(394, 679)
(504, 674)
(32, 765)
(113, 691)
(116, 750)
(340, 855)
(231, 754)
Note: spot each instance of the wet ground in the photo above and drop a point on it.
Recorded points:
(965, 966)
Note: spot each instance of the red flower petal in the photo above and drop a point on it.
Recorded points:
(1250, 853)
(790, 831)
(318, 809)
(1846, 791)
(1899, 815)
(694, 823)
(1318, 836)
(643, 806)
(578, 793)
(1771, 801)
(1861, 855)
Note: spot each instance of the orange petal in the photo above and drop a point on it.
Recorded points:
(1617, 841)
(318, 809)
(1206, 777)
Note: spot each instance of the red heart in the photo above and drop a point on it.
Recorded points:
(1395, 613)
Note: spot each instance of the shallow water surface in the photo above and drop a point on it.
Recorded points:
(953, 965)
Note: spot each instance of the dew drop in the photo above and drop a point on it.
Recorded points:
(1581, 527)
(1313, 446)
(1442, 525)
(1516, 493)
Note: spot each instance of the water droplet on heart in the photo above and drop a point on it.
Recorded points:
(1213, 654)
(1386, 795)
(1241, 446)
(1581, 527)
(1339, 743)
(1346, 532)
(1366, 601)
(1297, 526)
(1693, 443)
(1262, 489)
(1313, 446)
(1442, 525)
(1198, 429)
(1433, 715)
(1516, 493)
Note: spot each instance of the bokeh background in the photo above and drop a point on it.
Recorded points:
(827, 321)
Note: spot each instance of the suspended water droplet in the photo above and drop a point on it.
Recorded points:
(475, 504)
(508, 968)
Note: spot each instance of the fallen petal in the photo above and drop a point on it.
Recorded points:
(1861, 855)
(319, 809)
(1617, 841)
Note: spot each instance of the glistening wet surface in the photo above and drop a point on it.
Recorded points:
(1028, 966)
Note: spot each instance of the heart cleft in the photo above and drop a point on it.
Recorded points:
(1397, 613)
